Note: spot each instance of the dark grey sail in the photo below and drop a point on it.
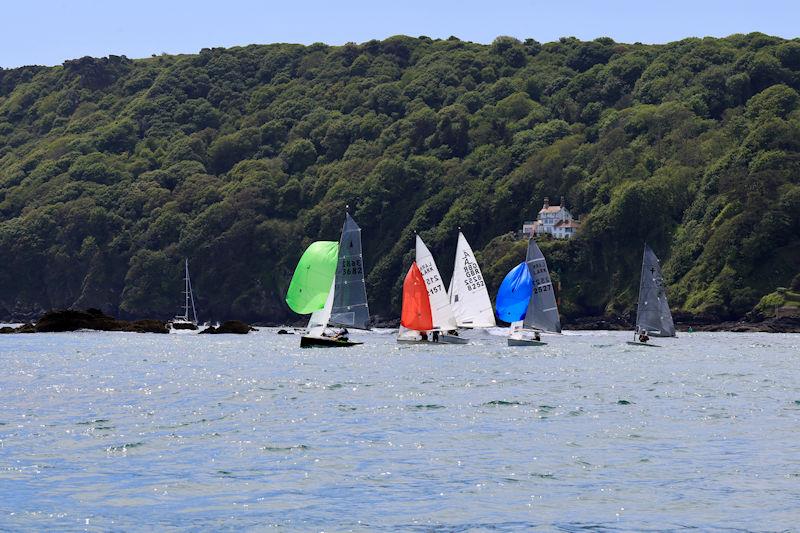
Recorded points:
(350, 293)
(542, 311)
(653, 313)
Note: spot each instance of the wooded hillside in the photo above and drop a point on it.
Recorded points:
(112, 170)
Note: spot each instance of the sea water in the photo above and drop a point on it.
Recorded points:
(118, 431)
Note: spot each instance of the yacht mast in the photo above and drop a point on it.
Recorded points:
(188, 295)
(191, 295)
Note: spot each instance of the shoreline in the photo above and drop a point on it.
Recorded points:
(600, 323)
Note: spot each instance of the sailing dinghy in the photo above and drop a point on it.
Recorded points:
(329, 283)
(653, 316)
(527, 301)
(442, 321)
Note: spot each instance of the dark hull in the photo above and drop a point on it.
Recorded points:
(632, 343)
(452, 339)
(324, 342)
(659, 334)
(525, 342)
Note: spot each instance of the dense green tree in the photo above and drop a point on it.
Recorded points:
(112, 170)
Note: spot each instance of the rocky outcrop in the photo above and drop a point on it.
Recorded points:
(786, 324)
(230, 326)
(701, 322)
(616, 323)
(94, 319)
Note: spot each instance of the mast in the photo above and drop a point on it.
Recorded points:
(188, 295)
(642, 299)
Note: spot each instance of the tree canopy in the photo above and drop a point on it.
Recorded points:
(113, 170)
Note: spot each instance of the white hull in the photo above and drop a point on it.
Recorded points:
(443, 339)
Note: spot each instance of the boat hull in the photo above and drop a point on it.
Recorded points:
(635, 343)
(452, 339)
(184, 325)
(308, 341)
(525, 342)
(411, 341)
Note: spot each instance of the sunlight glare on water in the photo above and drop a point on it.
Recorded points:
(118, 431)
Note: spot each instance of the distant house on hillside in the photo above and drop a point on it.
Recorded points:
(555, 220)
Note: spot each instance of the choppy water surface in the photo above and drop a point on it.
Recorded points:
(129, 431)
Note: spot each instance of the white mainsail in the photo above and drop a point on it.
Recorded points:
(469, 298)
(319, 319)
(441, 313)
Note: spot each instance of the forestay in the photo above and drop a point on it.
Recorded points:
(350, 307)
(542, 309)
(442, 314)
(653, 314)
(469, 298)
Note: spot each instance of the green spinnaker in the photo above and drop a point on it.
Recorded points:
(313, 277)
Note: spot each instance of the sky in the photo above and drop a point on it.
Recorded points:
(47, 32)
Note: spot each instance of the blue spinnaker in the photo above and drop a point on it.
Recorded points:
(514, 294)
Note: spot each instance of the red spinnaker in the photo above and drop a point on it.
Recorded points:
(416, 312)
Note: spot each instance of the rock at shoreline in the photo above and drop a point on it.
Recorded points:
(615, 323)
(72, 320)
(769, 325)
(230, 326)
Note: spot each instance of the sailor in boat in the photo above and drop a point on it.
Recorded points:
(435, 336)
(536, 336)
(643, 337)
(424, 336)
(338, 335)
(453, 332)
